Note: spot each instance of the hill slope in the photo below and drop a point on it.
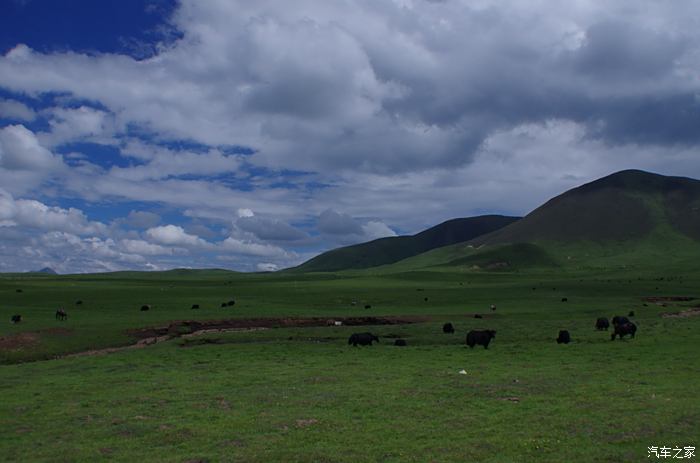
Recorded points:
(388, 250)
(630, 218)
(627, 205)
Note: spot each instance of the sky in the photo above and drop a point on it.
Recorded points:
(157, 134)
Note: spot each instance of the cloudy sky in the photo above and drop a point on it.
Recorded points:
(152, 134)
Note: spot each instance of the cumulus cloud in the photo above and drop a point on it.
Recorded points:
(270, 229)
(16, 110)
(142, 219)
(335, 223)
(410, 112)
(20, 150)
(267, 267)
(163, 163)
(173, 235)
(345, 229)
(35, 214)
(145, 248)
(238, 246)
(79, 124)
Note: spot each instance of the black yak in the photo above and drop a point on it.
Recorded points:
(631, 314)
(564, 337)
(476, 315)
(623, 329)
(368, 306)
(231, 302)
(145, 307)
(482, 338)
(16, 319)
(400, 342)
(223, 304)
(565, 299)
(493, 306)
(195, 306)
(602, 323)
(61, 315)
(78, 302)
(363, 339)
(619, 320)
(448, 328)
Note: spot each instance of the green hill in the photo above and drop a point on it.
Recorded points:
(388, 250)
(627, 205)
(630, 218)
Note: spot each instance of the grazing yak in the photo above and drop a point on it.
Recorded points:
(447, 328)
(493, 306)
(231, 302)
(565, 299)
(619, 320)
(223, 304)
(78, 302)
(602, 323)
(145, 307)
(623, 329)
(631, 314)
(363, 339)
(476, 315)
(16, 319)
(195, 306)
(482, 338)
(368, 306)
(400, 343)
(61, 315)
(564, 337)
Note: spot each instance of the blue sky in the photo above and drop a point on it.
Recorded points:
(253, 135)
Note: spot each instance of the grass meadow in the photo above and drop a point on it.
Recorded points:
(304, 395)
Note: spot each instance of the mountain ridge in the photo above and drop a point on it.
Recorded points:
(388, 250)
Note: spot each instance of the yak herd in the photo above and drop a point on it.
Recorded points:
(622, 327)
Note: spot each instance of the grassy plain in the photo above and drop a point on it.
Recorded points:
(303, 394)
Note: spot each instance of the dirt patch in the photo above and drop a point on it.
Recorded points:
(189, 327)
(668, 298)
(306, 423)
(19, 341)
(693, 312)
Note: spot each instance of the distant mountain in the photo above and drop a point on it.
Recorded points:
(47, 270)
(624, 206)
(393, 249)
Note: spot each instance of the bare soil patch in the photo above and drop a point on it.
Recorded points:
(668, 298)
(189, 327)
(692, 312)
(29, 338)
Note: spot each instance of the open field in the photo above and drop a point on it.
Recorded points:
(303, 394)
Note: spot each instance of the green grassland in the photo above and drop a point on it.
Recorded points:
(303, 394)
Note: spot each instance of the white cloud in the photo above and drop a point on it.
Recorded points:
(16, 110)
(375, 229)
(35, 214)
(78, 124)
(20, 150)
(145, 248)
(237, 246)
(173, 235)
(267, 267)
